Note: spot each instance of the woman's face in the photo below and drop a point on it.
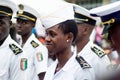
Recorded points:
(56, 40)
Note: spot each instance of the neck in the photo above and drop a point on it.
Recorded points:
(81, 44)
(25, 38)
(2, 41)
(63, 58)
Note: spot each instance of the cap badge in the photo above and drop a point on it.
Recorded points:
(21, 7)
(109, 21)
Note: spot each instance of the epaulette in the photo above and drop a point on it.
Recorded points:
(15, 49)
(34, 44)
(82, 62)
(98, 51)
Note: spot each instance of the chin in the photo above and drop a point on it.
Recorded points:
(51, 53)
(20, 33)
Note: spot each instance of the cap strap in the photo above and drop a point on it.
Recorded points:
(81, 19)
(86, 19)
(9, 14)
(32, 19)
(109, 21)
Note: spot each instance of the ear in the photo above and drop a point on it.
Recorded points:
(85, 30)
(10, 23)
(70, 37)
(32, 24)
(82, 28)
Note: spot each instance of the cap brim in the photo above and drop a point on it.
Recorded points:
(78, 21)
(20, 17)
(105, 29)
(3, 14)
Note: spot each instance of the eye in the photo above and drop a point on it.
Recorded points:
(25, 22)
(22, 21)
(52, 34)
(1, 22)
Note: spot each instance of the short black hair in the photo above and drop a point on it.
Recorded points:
(69, 26)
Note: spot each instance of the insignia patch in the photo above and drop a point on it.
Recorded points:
(21, 7)
(99, 52)
(82, 62)
(39, 56)
(23, 63)
(15, 49)
(34, 44)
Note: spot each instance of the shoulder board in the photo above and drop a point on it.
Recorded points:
(100, 53)
(34, 44)
(82, 62)
(15, 49)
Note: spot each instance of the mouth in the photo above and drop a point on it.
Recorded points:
(48, 45)
(19, 29)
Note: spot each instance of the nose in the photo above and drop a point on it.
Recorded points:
(18, 25)
(47, 38)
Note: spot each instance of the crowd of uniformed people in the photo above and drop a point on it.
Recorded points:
(50, 40)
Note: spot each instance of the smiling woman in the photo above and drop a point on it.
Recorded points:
(61, 31)
(60, 35)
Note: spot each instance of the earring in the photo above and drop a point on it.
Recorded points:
(67, 41)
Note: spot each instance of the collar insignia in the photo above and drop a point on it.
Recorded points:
(82, 62)
(34, 44)
(15, 49)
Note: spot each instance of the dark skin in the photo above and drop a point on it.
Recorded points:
(13, 31)
(114, 33)
(114, 40)
(24, 28)
(56, 42)
(84, 31)
(5, 24)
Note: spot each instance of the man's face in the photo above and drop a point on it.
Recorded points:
(24, 27)
(55, 40)
(4, 27)
(115, 36)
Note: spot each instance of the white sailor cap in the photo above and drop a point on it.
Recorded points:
(26, 12)
(7, 8)
(56, 12)
(109, 14)
(83, 15)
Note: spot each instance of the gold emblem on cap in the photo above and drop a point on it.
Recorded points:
(21, 7)
(109, 21)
